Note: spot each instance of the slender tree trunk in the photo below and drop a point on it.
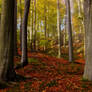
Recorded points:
(65, 31)
(20, 25)
(6, 41)
(34, 43)
(88, 31)
(32, 22)
(24, 60)
(0, 21)
(69, 26)
(15, 29)
(58, 29)
(38, 28)
(45, 25)
(80, 27)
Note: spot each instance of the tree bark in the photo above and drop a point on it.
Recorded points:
(6, 41)
(32, 22)
(88, 30)
(34, 41)
(58, 29)
(69, 26)
(20, 25)
(86, 23)
(65, 33)
(24, 60)
(15, 29)
(45, 25)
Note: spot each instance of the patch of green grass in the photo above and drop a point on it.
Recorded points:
(33, 60)
(84, 80)
(84, 85)
(36, 62)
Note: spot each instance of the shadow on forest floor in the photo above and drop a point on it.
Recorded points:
(18, 78)
(3, 85)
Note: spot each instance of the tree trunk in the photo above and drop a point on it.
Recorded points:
(15, 29)
(80, 15)
(45, 25)
(88, 30)
(65, 30)
(32, 22)
(86, 23)
(34, 42)
(6, 41)
(24, 60)
(58, 29)
(69, 26)
(20, 25)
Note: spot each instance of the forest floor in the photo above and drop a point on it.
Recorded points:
(49, 74)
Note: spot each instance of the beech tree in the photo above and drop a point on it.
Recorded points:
(69, 28)
(32, 22)
(6, 41)
(20, 24)
(34, 27)
(45, 23)
(88, 42)
(15, 28)
(24, 60)
(58, 29)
